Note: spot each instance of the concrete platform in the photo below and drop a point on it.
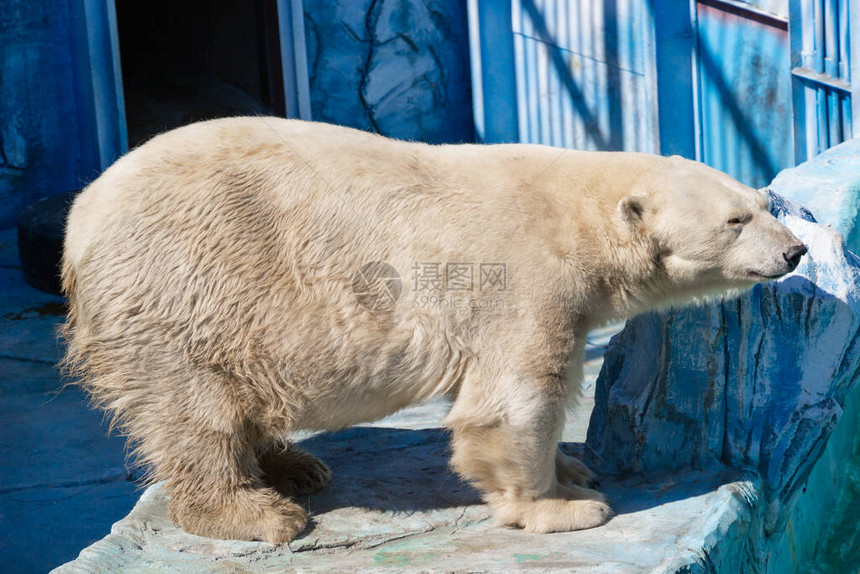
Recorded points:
(393, 506)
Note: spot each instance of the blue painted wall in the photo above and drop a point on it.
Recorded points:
(744, 84)
(711, 80)
(400, 68)
(40, 135)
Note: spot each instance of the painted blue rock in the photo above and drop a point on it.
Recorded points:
(756, 382)
(396, 67)
(829, 185)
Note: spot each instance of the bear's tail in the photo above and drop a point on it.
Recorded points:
(80, 363)
(71, 365)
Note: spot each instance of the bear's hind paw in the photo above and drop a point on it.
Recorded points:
(292, 471)
(252, 514)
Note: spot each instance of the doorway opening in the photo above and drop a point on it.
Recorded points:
(184, 62)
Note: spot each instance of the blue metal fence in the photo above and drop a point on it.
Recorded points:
(747, 86)
(744, 90)
(580, 72)
(821, 73)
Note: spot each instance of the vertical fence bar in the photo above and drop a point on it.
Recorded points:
(818, 24)
(294, 60)
(561, 38)
(821, 108)
(843, 55)
(810, 120)
(578, 124)
(553, 92)
(475, 65)
(567, 103)
(495, 78)
(820, 94)
(831, 68)
(520, 69)
(844, 67)
(854, 67)
(533, 101)
(108, 105)
(831, 47)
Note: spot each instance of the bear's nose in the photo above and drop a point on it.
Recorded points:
(793, 255)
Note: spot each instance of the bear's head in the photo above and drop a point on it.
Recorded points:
(708, 232)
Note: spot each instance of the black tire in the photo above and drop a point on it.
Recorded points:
(40, 240)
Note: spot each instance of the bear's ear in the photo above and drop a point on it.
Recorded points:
(632, 210)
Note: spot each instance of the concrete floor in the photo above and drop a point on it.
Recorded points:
(63, 479)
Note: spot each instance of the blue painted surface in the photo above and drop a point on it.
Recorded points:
(821, 69)
(713, 80)
(397, 68)
(63, 482)
(744, 90)
(101, 106)
(41, 151)
(583, 74)
(829, 186)
(494, 95)
(675, 57)
(829, 503)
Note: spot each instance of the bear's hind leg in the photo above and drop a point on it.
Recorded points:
(292, 471)
(217, 490)
(569, 469)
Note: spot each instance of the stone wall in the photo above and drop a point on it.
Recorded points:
(399, 68)
(40, 151)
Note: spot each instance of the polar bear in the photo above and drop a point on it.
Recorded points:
(235, 280)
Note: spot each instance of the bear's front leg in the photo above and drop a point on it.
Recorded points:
(508, 449)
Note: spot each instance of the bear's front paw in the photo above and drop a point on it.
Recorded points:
(554, 515)
(569, 508)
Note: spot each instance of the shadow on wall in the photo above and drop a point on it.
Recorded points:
(583, 68)
(615, 139)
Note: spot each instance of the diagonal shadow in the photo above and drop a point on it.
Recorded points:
(565, 76)
(741, 121)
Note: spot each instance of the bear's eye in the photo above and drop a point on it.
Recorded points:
(737, 220)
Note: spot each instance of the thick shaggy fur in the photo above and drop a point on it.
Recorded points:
(210, 273)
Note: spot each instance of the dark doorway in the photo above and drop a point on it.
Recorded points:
(184, 61)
